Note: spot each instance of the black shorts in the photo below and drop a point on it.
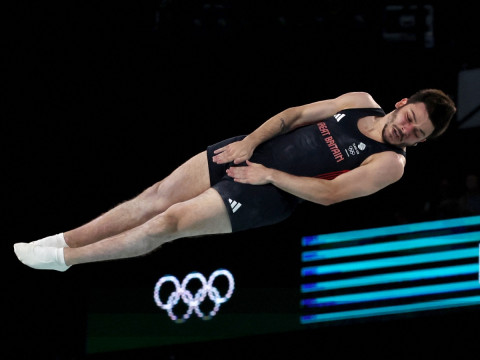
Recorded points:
(248, 206)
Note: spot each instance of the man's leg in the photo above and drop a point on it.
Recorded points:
(202, 215)
(186, 182)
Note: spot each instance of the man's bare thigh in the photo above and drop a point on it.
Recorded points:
(203, 215)
(186, 182)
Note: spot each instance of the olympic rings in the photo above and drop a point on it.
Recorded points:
(193, 301)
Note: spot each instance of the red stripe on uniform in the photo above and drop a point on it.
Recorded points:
(331, 175)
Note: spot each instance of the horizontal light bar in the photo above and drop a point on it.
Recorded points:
(447, 271)
(389, 230)
(389, 310)
(392, 294)
(391, 246)
(390, 262)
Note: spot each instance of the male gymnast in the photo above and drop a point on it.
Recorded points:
(324, 152)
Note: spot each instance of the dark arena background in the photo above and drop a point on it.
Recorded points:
(102, 99)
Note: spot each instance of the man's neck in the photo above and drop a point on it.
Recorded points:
(372, 126)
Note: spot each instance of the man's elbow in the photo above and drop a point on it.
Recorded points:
(336, 194)
(291, 117)
(328, 202)
(328, 199)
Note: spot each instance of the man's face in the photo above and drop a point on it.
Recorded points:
(408, 125)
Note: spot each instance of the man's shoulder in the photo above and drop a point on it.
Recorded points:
(390, 159)
(387, 165)
(360, 99)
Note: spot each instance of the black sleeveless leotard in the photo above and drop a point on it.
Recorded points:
(324, 150)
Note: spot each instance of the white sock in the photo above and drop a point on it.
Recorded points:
(40, 257)
(57, 241)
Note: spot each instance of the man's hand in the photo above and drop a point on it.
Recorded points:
(254, 174)
(237, 152)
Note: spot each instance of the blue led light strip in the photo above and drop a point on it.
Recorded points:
(392, 294)
(424, 274)
(391, 246)
(395, 309)
(424, 248)
(389, 230)
(390, 262)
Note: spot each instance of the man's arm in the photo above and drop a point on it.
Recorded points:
(382, 170)
(288, 120)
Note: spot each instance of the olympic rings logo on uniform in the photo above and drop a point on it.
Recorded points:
(193, 301)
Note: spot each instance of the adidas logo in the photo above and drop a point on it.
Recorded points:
(338, 117)
(235, 205)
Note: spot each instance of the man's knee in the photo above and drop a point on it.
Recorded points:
(175, 222)
(150, 193)
(205, 214)
(151, 201)
(162, 225)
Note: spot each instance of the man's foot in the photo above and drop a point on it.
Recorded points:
(57, 241)
(40, 257)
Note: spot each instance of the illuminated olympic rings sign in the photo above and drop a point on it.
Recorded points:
(193, 301)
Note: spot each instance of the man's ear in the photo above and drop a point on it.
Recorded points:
(400, 103)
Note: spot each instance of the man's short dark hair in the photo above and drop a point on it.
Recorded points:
(440, 108)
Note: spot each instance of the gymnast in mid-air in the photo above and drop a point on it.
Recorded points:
(324, 152)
